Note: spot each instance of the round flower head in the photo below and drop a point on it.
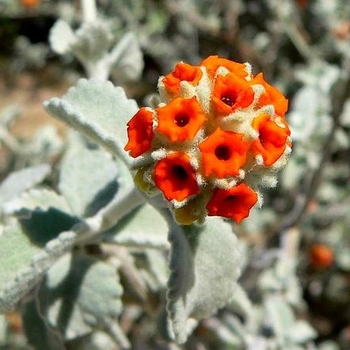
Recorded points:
(216, 136)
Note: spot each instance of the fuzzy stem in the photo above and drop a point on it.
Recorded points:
(108, 216)
(89, 10)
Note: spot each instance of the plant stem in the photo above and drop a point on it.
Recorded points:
(307, 192)
(89, 10)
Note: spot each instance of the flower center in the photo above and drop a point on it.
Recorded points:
(179, 173)
(182, 120)
(228, 100)
(222, 152)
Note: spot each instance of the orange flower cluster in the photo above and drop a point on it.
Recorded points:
(218, 134)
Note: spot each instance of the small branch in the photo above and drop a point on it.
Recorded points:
(89, 10)
(108, 216)
(308, 191)
(11, 142)
(294, 33)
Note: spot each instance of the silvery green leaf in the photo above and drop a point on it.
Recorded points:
(157, 267)
(61, 37)
(301, 332)
(41, 199)
(328, 345)
(80, 294)
(43, 215)
(230, 331)
(33, 324)
(88, 179)
(98, 110)
(345, 116)
(23, 263)
(280, 316)
(241, 303)
(204, 267)
(143, 227)
(127, 59)
(20, 181)
(93, 39)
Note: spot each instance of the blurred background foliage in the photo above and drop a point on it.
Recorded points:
(303, 47)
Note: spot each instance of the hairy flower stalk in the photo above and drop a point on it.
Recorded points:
(217, 136)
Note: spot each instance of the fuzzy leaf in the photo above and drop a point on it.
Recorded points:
(22, 263)
(79, 294)
(93, 40)
(36, 199)
(88, 179)
(99, 110)
(128, 59)
(33, 325)
(20, 181)
(61, 37)
(143, 227)
(43, 215)
(204, 266)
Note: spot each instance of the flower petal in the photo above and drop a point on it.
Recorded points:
(182, 72)
(272, 139)
(140, 132)
(212, 63)
(234, 203)
(223, 153)
(181, 119)
(271, 96)
(175, 177)
(231, 92)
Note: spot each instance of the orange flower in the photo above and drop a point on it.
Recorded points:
(230, 93)
(272, 138)
(321, 255)
(175, 177)
(182, 71)
(223, 153)
(234, 203)
(180, 119)
(271, 96)
(212, 63)
(30, 3)
(140, 132)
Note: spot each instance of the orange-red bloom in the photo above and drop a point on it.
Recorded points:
(321, 255)
(223, 153)
(30, 3)
(212, 63)
(271, 96)
(180, 119)
(140, 132)
(234, 203)
(175, 177)
(182, 72)
(272, 139)
(230, 93)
